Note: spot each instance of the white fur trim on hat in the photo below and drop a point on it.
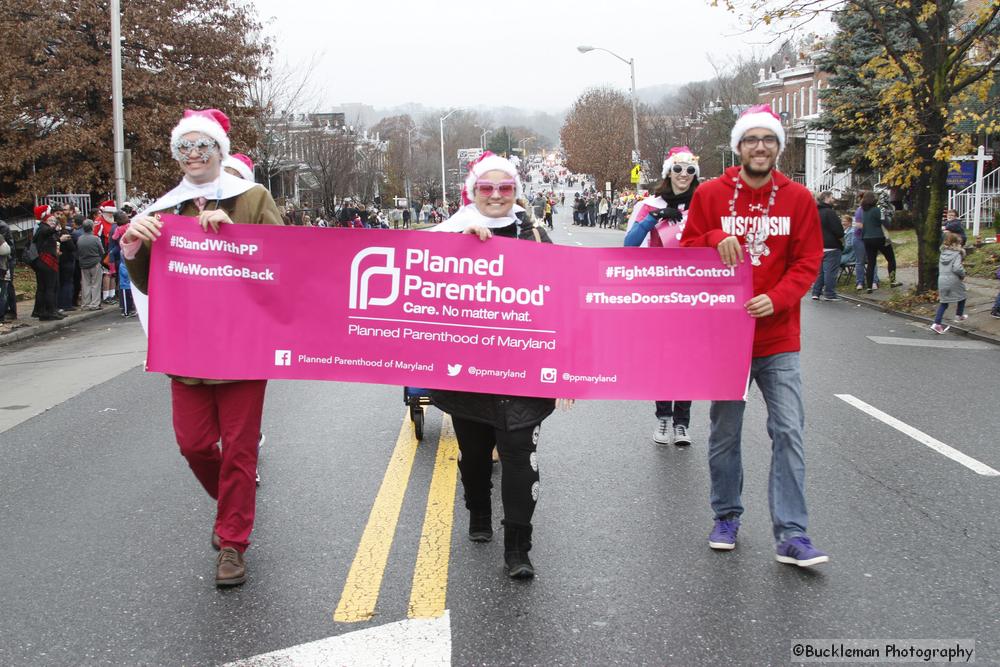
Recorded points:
(492, 163)
(205, 126)
(680, 157)
(240, 166)
(760, 115)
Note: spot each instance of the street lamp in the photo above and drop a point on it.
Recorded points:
(521, 142)
(482, 136)
(409, 163)
(444, 197)
(635, 114)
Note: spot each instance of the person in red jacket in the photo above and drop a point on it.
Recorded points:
(755, 213)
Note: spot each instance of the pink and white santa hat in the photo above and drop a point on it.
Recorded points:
(759, 115)
(242, 164)
(680, 155)
(489, 161)
(210, 122)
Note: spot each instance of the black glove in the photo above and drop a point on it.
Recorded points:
(667, 213)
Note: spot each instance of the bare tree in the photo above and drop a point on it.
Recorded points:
(273, 96)
(397, 132)
(370, 169)
(331, 158)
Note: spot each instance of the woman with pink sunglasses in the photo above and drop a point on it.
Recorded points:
(510, 423)
(658, 222)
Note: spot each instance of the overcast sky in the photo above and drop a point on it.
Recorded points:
(520, 53)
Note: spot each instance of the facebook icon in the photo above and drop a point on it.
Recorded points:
(282, 357)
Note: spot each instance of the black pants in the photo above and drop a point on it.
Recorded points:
(6, 293)
(872, 248)
(77, 283)
(47, 281)
(679, 411)
(125, 302)
(65, 298)
(519, 471)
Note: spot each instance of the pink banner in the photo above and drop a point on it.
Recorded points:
(447, 311)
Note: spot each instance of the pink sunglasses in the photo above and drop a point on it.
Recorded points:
(505, 188)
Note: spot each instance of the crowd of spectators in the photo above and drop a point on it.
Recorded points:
(75, 259)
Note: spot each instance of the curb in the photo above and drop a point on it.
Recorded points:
(920, 318)
(41, 328)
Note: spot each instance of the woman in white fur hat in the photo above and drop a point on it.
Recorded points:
(482, 421)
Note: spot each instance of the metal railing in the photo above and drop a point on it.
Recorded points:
(81, 201)
(964, 201)
(836, 182)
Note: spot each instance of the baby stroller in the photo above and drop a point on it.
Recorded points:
(416, 398)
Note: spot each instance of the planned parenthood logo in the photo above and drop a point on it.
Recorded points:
(359, 296)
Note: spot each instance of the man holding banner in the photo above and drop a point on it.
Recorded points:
(755, 212)
(206, 411)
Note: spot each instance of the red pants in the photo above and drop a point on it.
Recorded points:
(206, 413)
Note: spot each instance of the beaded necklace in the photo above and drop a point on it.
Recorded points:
(753, 207)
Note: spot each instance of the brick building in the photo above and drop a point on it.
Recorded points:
(793, 93)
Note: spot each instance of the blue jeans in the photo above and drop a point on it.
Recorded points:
(829, 269)
(996, 304)
(859, 262)
(780, 382)
(959, 311)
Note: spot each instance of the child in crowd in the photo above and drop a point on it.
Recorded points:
(951, 276)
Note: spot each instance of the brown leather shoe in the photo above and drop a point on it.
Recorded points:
(216, 541)
(231, 569)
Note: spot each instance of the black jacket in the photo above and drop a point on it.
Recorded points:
(68, 250)
(833, 231)
(45, 239)
(507, 413)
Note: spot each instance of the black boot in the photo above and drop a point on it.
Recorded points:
(516, 545)
(480, 525)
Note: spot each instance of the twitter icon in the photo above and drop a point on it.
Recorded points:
(454, 369)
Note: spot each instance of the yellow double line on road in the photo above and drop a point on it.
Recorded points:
(430, 575)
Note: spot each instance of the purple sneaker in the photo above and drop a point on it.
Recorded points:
(723, 535)
(800, 551)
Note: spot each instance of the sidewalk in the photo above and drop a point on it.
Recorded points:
(26, 326)
(981, 294)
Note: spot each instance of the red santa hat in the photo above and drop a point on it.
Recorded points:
(108, 206)
(242, 164)
(41, 212)
(210, 122)
(489, 161)
(760, 115)
(680, 155)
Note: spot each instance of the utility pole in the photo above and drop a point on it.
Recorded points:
(117, 116)
(444, 196)
(636, 156)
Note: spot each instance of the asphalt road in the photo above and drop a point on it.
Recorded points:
(105, 556)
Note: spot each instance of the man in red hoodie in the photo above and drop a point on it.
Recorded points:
(755, 213)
